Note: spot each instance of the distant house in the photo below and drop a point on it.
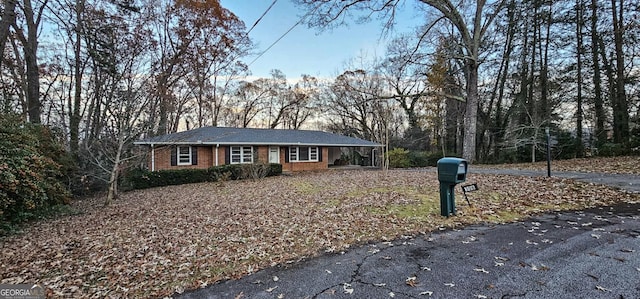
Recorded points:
(296, 150)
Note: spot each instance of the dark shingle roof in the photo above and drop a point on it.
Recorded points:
(240, 136)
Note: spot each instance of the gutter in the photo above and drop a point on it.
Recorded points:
(259, 143)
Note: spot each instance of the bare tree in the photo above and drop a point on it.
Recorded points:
(250, 101)
(32, 18)
(471, 32)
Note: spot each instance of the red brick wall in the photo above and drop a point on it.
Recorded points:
(207, 158)
(163, 158)
(305, 166)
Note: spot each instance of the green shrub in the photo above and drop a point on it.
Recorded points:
(30, 176)
(142, 179)
(612, 150)
(275, 169)
(424, 159)
(399, 158)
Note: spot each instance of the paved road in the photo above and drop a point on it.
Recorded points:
(583, 254)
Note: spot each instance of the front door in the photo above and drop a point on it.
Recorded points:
(274, 154)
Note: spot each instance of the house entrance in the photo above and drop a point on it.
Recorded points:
(274, 154)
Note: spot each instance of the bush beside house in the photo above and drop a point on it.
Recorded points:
(142, 179)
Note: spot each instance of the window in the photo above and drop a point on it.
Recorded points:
(241, 154)
(303, 154)
(184, 155)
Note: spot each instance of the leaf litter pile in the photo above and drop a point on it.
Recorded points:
(156, 242)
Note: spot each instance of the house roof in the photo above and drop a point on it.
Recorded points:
(248, 136)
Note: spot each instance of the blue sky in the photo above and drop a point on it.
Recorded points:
(303, 50)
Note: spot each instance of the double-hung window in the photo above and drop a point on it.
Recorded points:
(241, 154)
(184, 155)
(303, 154)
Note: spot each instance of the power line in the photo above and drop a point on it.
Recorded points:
(263, 14)
(284, 34)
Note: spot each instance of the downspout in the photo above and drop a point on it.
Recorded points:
(217, 149)
(373, 157)
(153, 158)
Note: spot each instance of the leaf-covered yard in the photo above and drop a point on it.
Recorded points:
(152, 243)
(620, 165)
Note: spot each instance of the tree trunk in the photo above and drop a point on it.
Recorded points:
(164, 106)
(621, 109)
(471, 112)
(8, 18)
(543, 107)
(31, 61)
(579, 113)
(601, 135)
(74, 117)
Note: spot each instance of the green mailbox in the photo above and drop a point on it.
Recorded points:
(451, 171)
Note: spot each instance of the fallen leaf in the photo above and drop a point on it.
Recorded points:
(411, 281)
(347, 288)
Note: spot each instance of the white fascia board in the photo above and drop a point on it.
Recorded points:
(255, 143)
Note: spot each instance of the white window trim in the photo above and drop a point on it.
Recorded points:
(245, 151)
(179, 154)
(295, 157)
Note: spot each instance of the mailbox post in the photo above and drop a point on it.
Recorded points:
(451, 171)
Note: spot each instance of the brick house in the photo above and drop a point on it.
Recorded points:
(296, 150)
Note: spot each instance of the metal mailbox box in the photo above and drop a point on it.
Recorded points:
(451, 171)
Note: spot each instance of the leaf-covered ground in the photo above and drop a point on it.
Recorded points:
(152, 243)
(621, 165)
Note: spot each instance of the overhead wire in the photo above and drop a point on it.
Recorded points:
(262, 16)
(284, 34)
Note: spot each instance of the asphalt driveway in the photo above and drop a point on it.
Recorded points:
(580, 254)
(584, 254)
